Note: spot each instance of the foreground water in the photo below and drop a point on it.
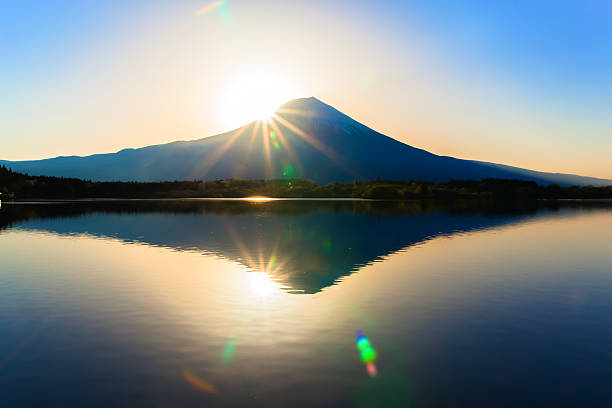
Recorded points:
(227, 303)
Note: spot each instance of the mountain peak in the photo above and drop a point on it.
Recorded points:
(310, 104)
(312, 107)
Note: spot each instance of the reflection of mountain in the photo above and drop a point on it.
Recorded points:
(305, 139)
(306, 245)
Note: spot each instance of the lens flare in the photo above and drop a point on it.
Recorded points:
(210, 7)
(221, 8)
(228, 351)
(288, 171)
(198, 382)
(367, 353)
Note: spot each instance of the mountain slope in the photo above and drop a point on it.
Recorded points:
(305, 139)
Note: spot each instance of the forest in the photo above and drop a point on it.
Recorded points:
(19, 186)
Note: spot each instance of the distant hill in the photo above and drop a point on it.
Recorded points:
(306, 139)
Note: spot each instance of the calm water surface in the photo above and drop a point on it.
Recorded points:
(227, 303)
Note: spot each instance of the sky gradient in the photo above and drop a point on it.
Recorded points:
(520, 83)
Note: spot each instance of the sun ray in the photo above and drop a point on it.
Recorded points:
(272, 263)
(285, 143)
(262, 263)
(241, 246)
(309, 139)
(266, 143)
(298, 112)
(212, 158)
(253, 135)
(275, 266)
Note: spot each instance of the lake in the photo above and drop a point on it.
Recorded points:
(191, 303)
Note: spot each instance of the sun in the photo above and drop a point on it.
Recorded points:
(255, 95)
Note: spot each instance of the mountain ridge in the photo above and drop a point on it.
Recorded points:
(305, 138)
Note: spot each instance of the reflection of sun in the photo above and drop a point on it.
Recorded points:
(255, 96)
(258, 199)
(261, 284)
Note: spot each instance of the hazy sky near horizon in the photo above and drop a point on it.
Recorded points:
(520, 83)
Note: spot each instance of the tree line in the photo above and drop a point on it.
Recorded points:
(23, 186)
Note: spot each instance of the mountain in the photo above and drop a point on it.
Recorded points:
(306, 138)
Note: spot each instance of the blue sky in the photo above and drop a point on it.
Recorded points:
(515, 82)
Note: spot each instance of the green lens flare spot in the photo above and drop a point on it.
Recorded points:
(228, 351)
(273, 134)
(368, 355)
(288, 171)
(363, 343)
(276, 145)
